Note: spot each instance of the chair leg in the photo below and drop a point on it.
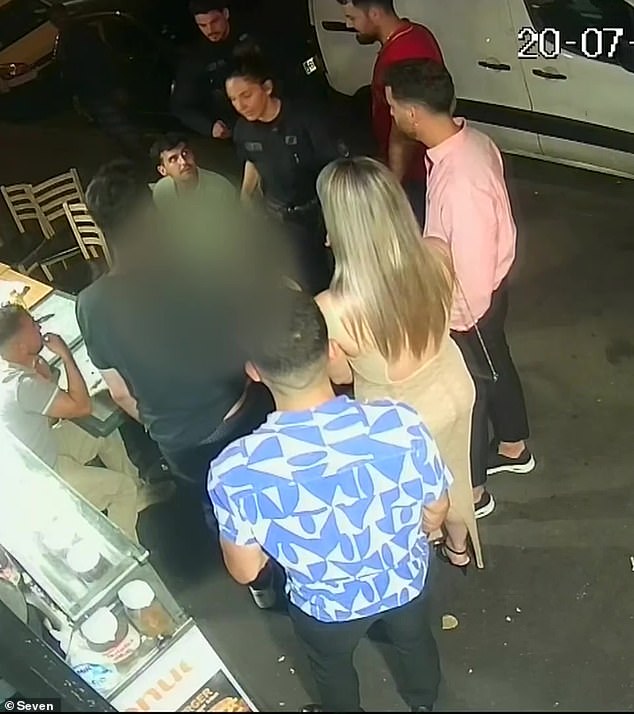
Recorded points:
(47, 272)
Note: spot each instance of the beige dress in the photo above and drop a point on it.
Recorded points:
(443, 393)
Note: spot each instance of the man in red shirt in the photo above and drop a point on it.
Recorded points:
(377, 21)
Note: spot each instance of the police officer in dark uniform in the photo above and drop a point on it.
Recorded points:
(199, 99)
(284, 145)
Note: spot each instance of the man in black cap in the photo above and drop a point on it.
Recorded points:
(199, 99)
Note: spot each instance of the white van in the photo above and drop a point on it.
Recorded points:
(551, 79)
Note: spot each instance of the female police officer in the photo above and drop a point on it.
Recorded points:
(284, 145)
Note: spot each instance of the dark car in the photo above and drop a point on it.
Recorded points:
(145, 39)
(142, 50)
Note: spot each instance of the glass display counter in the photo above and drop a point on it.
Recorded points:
(113, 620)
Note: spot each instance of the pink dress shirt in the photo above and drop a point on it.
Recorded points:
(468, 206)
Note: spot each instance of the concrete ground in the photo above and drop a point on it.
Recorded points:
(547, 625)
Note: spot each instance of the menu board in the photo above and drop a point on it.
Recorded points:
(217, 695)
(187, 676)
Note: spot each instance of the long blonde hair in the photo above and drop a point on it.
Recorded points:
(398, 290)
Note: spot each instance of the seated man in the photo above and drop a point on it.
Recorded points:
(34, 409)
(342, 494)
(182, 179)
(190, 199)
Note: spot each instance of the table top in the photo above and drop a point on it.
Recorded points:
(37, 290)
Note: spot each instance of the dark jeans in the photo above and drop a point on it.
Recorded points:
(416, 191)
(330, 648)
(502, 402)
(192, 465)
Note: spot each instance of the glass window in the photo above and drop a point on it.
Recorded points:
(573, 19)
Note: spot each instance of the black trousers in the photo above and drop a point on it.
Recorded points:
(192, 465)
(330, 648)
(501, 403)
(307, 238)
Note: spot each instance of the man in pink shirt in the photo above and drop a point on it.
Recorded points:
(468, 207)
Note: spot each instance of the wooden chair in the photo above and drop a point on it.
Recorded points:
(87, 233)
(50, 196)
(24, 210)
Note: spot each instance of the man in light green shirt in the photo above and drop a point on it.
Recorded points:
(183, 182)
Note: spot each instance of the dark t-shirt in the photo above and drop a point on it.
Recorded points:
(290, 151)
(177, 352)
(199, 98)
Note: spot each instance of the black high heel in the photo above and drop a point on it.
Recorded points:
(440, 552)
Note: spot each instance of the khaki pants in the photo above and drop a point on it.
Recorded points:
(112, 489)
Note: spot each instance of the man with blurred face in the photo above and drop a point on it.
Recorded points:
(377, 21)
(198, 96)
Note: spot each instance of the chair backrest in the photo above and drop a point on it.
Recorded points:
(86, 231)
(52, 194)
(22, 205)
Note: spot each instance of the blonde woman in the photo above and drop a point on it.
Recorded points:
(387, 312)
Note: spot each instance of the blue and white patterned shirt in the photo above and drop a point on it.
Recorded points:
(335, 495)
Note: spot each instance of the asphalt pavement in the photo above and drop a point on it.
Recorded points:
(547, 625)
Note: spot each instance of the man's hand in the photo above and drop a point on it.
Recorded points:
(435, 513)
(56, 345)
(400, 152)
(220, 130)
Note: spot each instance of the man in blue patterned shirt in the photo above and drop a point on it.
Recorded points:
(341, 494)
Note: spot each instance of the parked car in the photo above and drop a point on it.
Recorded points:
(27, 40)
(143, 56)
(549, 79)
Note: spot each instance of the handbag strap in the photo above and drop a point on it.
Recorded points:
(487, 355)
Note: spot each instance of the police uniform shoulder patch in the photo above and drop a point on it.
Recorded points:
(290, 140)
(253, 146)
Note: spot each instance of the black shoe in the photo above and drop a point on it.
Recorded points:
(311, 708)
(441, 552)
(485, 506)
(498, 463)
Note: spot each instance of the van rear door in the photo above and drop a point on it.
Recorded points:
(578, 63)
(349, 64)
(479, 43)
